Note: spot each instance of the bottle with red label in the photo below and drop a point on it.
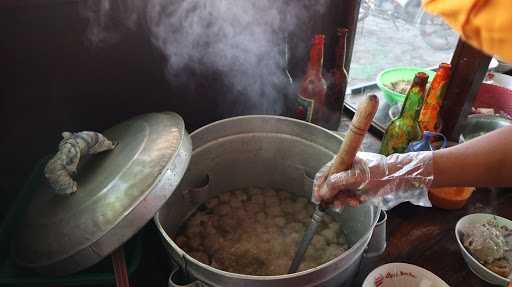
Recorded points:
(429, 116)
(336, 85)
(312, 89)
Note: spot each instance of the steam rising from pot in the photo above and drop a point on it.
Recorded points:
(242, 41)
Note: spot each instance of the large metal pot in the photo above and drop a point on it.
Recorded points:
(266, 151)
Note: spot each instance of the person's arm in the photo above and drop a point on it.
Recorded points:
(483, 161)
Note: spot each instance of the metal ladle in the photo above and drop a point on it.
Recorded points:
(343, 161)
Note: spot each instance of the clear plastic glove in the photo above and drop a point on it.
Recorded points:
(385, 181)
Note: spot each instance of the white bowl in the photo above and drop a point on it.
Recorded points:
(473, 264)
(402, 275)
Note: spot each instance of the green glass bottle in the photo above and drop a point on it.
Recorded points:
(406, 128)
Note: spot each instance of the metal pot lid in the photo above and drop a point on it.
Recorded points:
(119, 191)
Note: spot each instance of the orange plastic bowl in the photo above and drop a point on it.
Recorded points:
(450, 197)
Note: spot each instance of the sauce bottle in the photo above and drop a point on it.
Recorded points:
(406, 128)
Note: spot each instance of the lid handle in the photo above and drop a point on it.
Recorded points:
(63, 164)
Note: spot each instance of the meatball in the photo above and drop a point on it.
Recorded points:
(314, 254)
(270, 235)
(223, 209)
(333, 225)
(241, 215)
(302, 201)
(193, 231)
(258, 199)
(270, 192)
(278, 267)
(274, 211)
(195, 243)
(283, 195)
(212, 202)
(342, 241)
(240, 195)
(329, 235)
(303, 216)
(198, 219)
(254, 191)
(296, 227)
(280, 221)
(271, 201)
(261, 217)
(228, 224)
(258, 228)
(328, 219)
(235, 203)
(332, 251)
(318, 242)
(310, 209)
(299, 206)
(252, 208)
(211, 226)
(288, 206)
(226, 196)
(293, 238)
(200, 256)
(213, 243)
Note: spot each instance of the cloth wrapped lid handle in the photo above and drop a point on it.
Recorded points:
(60, 169)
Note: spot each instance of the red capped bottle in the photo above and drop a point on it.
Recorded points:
(312, 89)
(405, 129)
(336, 85)
(429, 116)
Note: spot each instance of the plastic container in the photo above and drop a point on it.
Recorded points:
(394, 74)
(450, 197)
(494, 97)
(101, 273)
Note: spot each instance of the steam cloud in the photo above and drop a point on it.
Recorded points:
(241, 40)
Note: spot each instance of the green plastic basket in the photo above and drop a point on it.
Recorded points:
(394, 74)
(101, 273)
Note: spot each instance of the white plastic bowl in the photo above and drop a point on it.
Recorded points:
(402, 275)
(473, 264)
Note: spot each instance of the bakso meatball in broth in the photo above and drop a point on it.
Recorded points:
(255, 231)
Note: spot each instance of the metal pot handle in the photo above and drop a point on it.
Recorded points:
(64, 163)
(179, 278)
(377, 244)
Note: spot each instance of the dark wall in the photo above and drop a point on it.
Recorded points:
(54, 81)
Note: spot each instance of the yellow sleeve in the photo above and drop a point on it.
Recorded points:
(485, 24)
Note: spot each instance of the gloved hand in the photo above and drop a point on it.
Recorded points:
(386, 181)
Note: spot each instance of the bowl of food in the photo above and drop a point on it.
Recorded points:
(485, 242)
(395, 82)
(403, 275)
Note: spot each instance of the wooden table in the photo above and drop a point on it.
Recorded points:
(425, 237)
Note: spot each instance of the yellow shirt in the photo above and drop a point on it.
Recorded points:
(485, 24)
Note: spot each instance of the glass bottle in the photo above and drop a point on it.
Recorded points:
(284, 81)
(405, 128)
(336, 85)
(312, 89)
(434, 98)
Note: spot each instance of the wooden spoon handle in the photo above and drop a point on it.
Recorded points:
(355, 135)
